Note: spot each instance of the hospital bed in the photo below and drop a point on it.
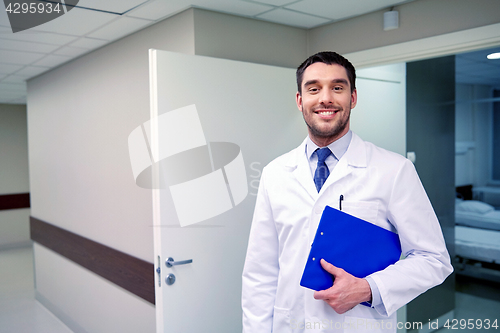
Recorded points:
(477, 238)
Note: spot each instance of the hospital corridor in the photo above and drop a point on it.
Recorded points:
(135, 135)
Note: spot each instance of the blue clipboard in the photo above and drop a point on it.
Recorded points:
(357, 246)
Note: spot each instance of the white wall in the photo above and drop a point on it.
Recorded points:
(81, 178)
(80, 116)
(14, 177)
(237, 38)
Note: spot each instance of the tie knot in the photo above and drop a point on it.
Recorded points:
(323, 153)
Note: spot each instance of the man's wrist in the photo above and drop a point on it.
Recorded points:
(367, 293)
(376, 299)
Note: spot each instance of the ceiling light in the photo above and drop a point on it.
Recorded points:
(494, 56)
(391, 20)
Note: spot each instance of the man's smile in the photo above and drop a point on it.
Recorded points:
(326, 113)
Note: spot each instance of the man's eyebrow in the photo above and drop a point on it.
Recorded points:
(310, 82)
(340, 81)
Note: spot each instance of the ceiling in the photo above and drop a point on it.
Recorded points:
(95, 23)
(475, 68)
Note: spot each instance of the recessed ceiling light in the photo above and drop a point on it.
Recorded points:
(494, 56)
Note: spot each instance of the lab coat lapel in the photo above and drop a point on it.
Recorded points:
(302, 171)
(354, 157)
(342, 169)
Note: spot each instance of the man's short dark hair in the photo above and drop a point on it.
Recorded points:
(329, 58)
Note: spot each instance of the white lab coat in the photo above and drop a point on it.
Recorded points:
(378, 186)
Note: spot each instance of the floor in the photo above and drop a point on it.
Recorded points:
(20, 312)
(479, 309)
(478, 300)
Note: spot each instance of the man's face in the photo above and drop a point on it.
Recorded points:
(326, 102)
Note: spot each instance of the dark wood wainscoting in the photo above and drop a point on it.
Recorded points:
(14, 201)
(128, 272)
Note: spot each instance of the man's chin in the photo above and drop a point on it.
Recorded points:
(328, 133)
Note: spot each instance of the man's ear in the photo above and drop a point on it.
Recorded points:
(354, 98)
(298, 99)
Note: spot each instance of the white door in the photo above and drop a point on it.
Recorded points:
(214, 125)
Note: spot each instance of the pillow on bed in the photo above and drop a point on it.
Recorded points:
(473, 206)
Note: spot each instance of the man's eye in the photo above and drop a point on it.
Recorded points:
(313, 90)
(338, 88)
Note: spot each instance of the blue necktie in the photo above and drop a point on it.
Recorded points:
(322, 171)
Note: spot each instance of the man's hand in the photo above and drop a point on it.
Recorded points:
(347, 290)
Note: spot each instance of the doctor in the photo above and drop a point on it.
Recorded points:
(334, 167)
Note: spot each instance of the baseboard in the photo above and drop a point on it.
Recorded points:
(17, 245)
(60, 314)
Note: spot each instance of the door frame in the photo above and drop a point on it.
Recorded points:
(430, 47)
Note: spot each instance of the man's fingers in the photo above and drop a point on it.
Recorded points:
(325, 294)
(334, 271)
(320, 294)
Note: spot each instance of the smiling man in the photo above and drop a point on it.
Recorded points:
(326, 100)
(333, 167)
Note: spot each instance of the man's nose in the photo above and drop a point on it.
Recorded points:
(326, 97)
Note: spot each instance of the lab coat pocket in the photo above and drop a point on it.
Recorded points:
(281, 320)
(364, 210)
(368, 325)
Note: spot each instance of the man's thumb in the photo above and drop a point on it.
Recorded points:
(330, 268)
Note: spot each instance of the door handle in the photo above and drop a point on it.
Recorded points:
(171, 262)
(158, 270)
